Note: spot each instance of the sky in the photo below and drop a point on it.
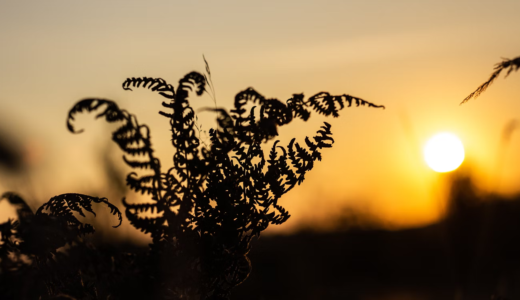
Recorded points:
(418, 58)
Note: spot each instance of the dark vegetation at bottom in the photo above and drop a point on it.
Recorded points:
(473, 253)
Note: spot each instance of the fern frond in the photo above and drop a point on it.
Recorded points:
(155, 84)
(295, 161)
(324, 139)
(222, 138)
(274, 109)
(63, 205)
(111, 111)
(138, 164)
(132, 138)
(297, 105)
(141, 207)
(155, 226)
(142, 184)
(129, 133)
(307, 162)
(245, 96)
(273, 154)
(194, 82)
(326, 104)
(282, 217)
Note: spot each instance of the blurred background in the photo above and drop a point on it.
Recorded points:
(371, 192)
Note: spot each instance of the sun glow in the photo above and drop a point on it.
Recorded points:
(444, 152)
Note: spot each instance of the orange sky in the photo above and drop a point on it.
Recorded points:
(418, 58)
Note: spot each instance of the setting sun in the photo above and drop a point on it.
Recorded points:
(444, 152)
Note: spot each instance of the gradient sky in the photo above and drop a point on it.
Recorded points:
(418, 58)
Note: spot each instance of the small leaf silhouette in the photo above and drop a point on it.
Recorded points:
(507, 64)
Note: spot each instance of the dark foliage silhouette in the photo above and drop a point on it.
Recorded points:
(31, 264)
(204, 211)
(507, 64)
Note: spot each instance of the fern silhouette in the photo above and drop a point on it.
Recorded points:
(210, 205)
(507, 64)
(29, 258)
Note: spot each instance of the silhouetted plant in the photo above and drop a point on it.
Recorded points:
(29, 253)
(506, 64)
(208, 207)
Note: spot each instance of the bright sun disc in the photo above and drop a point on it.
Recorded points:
(444, 152)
